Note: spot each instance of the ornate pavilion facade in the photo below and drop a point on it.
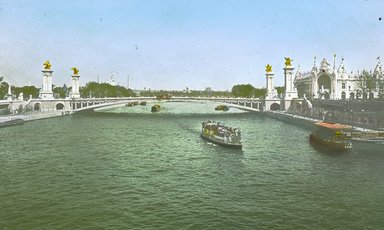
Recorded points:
(326, 82)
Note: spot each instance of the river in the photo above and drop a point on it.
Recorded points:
(128, 168)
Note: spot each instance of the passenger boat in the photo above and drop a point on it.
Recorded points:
(222, 108)
(218, 133)
(155, 108)
(333, 135)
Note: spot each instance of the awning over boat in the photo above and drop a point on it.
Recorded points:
(330, 125)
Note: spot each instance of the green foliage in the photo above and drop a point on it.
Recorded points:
(259, 93)
(27, 91)
(3, 90)
(280, 90)
(192, 93)
(380, 86)
(62, 92)
(366, 82)
(93, 89)
(247, 90)
(243, 90)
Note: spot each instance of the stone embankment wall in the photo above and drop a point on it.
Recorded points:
(364, 114)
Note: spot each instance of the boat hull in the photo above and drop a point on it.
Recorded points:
(222, 143)
(335, 145)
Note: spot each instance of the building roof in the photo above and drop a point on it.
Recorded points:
(331, 125)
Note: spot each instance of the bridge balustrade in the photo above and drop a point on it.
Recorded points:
(77, 104)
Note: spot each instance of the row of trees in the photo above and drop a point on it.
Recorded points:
(247, 90)
(93, 89)
(190, 93)
(100, 90)
(27, 91)
(369, 83)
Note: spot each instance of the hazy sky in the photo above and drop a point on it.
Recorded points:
(173, 44)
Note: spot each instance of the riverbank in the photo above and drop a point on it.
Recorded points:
(302, 121)
(361, 136)
(19, 119)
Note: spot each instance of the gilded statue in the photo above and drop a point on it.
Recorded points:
(47, 65)
(75, 70)
(268, 68)
(288, 61)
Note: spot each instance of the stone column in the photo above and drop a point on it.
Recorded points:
(270, 89)
(75, 93)
(9, 95)
(290, 91)
(47, 84)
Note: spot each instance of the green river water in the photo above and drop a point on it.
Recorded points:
(128, 168)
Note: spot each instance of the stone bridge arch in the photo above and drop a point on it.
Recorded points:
(60, 106)
(37, 106)
(275, 107)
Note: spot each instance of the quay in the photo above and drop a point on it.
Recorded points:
(11, 120)
(358, 134)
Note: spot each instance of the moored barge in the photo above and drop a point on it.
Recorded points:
(333, 135)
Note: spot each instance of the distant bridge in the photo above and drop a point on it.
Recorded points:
(82, 104)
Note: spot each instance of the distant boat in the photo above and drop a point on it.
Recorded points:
(333, 135)
(155, 108)
(222, 108)
(130, 104)
(218, 133)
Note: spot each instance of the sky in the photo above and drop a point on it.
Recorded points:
(174, 44)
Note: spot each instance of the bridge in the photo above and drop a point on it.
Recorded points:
(73, 105)
(82, 104)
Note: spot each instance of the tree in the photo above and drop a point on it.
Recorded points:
(366, 83)
(247, 90)
(262, 92)
(93, 89)
(28, 91)
(60, 91)
(380, 86)
(280, 90)
(243, 90)
(3, 89)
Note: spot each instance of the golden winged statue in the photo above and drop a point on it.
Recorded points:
(268, 68)
(47, 65)
(288, 61)
(75, 70)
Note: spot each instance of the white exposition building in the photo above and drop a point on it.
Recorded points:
(326, 82)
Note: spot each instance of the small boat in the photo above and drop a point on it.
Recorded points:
(218, 133)
(333, 135)
(222, 108)
(155, 108)
(129, 104)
